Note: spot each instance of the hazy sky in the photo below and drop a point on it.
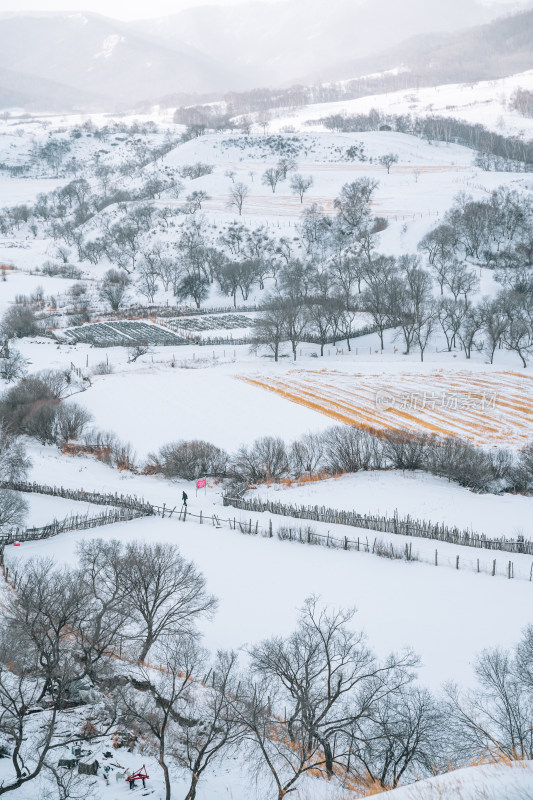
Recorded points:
(118, 9)
(135, 9)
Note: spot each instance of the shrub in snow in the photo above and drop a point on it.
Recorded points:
(13, 509)
(189, 460)
(20, 321)
(265, 460)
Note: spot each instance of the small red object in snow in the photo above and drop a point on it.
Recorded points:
(16, 544)
(140, 775)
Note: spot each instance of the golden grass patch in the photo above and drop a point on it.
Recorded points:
(485, 407)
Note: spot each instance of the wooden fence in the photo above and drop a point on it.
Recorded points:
(405, 526)
(72, 523)
(306, 535)
(125, 507)
(96, 498)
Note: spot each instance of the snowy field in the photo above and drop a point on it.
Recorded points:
(274, 578)
(44, 509)
(261, 583)
(412, 494)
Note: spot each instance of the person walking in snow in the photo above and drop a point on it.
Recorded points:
(184, 498)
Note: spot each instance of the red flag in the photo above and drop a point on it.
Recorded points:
(200, 483)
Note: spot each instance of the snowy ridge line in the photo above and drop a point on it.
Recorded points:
(70, 523)
(128, 502)
(405, 526)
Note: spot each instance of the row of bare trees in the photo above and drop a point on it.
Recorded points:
(347, 449)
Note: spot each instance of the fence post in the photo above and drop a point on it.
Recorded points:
(201, 520)
(436, 558)
(270, 527)
(494, 568)
(457, 562)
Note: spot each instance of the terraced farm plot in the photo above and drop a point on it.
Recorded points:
(484, 407)
(210, 322)
(120, 334)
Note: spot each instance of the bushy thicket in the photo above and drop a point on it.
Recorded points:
(189, 460)
(33, 407)
(14, 466)
(347, 449)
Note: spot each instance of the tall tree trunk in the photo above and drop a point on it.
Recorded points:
(191, 794)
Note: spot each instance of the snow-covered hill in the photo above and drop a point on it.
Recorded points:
(483, 102)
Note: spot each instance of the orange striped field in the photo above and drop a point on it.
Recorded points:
(484, 407)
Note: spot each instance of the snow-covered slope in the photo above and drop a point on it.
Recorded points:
(485, 782)
(483, 102)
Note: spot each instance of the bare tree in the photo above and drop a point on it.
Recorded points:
(147, 281)
(34, 747)
(286, 165)
(271, 177)
(13, 509)
(270, 327)
(495, 717)
(195, 200)
(265, 460)
(388, 160)
(114, 288)
(166, 592)
(238, 193)
(70, 422)
(404, 736)
(450, 316)
(471, 324)
(300, 184)
(213, 730)
(20, 321)
(190, 460)
(518, 334)
(137, 350)
(460, 280)
(307, 689)
(193, 284)
(381, 297)
(14, 462)
(159, 704)
(307, 455)
(425, 327)
(353, 205)
(296, 321)
(101, 575)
